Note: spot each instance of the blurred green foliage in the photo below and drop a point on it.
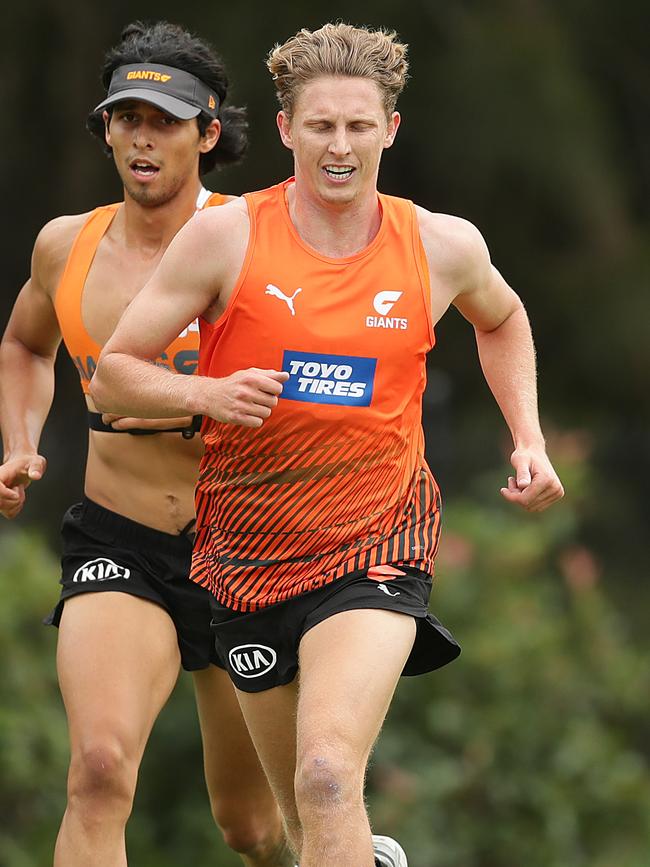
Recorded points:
(531, 749)
(33, 738)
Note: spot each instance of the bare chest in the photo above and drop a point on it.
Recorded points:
(114, 279)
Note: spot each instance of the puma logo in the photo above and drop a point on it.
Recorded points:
(278, 293)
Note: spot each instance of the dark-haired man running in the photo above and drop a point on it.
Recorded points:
(128, 615)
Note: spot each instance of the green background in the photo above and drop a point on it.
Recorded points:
(530, 118)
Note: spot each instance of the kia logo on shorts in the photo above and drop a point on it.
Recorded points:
(252, 660)
(101, 569)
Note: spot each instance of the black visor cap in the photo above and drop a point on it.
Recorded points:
(174, 91)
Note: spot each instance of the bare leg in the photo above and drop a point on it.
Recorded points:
(349, 667)
(117, 660)
(242, 802)
(271, 718)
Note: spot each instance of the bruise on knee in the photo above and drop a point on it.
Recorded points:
(99, 766)
(323, 781)
(101, 786)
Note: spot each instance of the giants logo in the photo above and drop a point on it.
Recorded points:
(383, 303)
(147, 75)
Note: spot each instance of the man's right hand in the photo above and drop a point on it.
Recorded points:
(16, 474)
(246, 397)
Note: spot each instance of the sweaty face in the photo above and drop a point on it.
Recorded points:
(337, 134)
(154, 153)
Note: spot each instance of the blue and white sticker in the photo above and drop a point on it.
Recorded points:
(346, 380)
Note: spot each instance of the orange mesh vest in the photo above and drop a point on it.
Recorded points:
(181, 356)
(335, 480)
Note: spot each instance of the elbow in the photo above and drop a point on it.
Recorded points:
(97, 388)
(514, 316)
(96, 392)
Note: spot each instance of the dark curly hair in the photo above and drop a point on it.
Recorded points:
(171, 45)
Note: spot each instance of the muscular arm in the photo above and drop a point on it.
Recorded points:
(27, 355)
(505, 347)
(193, 277)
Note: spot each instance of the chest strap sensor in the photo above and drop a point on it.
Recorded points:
(95, 423)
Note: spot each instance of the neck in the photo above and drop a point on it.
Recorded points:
(335, 230)
(152, 228)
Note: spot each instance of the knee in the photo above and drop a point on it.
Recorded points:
(248, 832)
(101, 771)
(328, 778)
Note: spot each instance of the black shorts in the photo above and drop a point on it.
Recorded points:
(104, 551)
(260, 649)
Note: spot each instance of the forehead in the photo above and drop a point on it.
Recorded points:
(336, 95)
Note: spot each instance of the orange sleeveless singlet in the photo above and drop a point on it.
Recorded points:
(182, 354)
(335, 480)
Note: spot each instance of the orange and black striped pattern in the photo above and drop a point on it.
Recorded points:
(335, 480)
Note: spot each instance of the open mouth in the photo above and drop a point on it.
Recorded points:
(143, 169)
(339, 173)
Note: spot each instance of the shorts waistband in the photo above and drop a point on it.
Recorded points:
(131, 532)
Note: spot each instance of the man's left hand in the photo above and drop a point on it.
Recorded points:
(536, 485)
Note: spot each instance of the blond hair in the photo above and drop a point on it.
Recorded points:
(339, 50)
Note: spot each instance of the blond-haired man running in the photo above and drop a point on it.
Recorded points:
(317, 516)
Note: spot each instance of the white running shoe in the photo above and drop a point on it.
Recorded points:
(388, 852)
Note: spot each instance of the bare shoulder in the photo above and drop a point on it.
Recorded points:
(207, 252)
(233, 213)
(52, 248)
(219, 230)
(450, 240)
(455, 248)
(56, 237)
